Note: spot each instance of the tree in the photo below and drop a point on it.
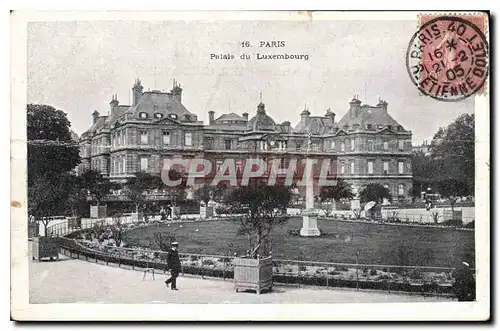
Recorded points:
(266, 208)
(117, 230)
(453, 149)
(452, 189)
(46, 199)
(137, 187)
(176, 193)
(342, 190)
(163, 241)
(205, 191)
(425, 170)
(375, 192)
(96, 184)
(51, 149)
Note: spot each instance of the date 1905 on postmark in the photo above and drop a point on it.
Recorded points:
(447, 58)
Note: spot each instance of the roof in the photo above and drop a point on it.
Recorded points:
(230, 117)
(315, 125)
(159, 102)
(261, 121)
(116, 114)
(367, 115)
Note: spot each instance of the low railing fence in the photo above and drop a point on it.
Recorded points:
(392, 278)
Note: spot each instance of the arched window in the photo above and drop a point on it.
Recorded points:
(386, 145)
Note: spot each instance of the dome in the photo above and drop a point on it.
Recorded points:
(261, 122)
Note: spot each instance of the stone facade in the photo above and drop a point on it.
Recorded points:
(366, 145)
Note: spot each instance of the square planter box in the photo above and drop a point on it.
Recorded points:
(98, 211)
(136, 217)
(33, 230)
(253, 274)
(42, 247)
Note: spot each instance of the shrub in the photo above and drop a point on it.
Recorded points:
(194, 258)
(373, 272)
(341, 268)
(208, 262)
(416, 274)
(470, 225)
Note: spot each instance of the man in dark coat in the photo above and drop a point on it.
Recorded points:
(174, 265)
(465, 284)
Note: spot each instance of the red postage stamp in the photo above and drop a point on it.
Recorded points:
(447, 58)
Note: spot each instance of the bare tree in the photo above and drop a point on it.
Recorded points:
(117, 230)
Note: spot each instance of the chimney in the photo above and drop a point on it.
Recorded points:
(177, 91)
(95, 116)
(137, 92)
(382, 104)
(211, 117)
(329, 117)
(286, 125)
(245, 116)
(113, 104)
(304, 117)
(354, 106)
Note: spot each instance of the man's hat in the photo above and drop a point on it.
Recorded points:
(175, 243)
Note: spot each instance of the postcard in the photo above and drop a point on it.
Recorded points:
(250, 165)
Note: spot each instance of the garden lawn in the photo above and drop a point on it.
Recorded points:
(376, 243)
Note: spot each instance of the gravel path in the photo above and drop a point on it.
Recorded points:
(75, 281)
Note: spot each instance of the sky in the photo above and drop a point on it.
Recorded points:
(77, 66)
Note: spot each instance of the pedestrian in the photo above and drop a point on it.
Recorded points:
(174, 265)
(465, 284)
(163, 214)
(169, 211)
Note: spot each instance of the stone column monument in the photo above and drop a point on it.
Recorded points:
(309, 216)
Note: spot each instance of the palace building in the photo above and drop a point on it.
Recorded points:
(366, 145)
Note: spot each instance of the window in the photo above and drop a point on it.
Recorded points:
(352, 144)
(352, 167)
(166, 138)
(401, 168)
(188, 139)
(369, 127)
(173, 116)
(386, 167)
(401, 189)
(332, 144)
(227, 143)
(386, 145)
(122, 137)
(143, 115)
(389, 127)
(370, 145)
(144, 137)
(124, 164)
(144, 163)
(342, 147)
(401, 145)
(298, 146)
(342, 168)
(370, 167)
(158, 115)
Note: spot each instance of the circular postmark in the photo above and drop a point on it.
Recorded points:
(447, 58)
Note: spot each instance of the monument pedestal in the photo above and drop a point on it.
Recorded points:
(310, 225)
